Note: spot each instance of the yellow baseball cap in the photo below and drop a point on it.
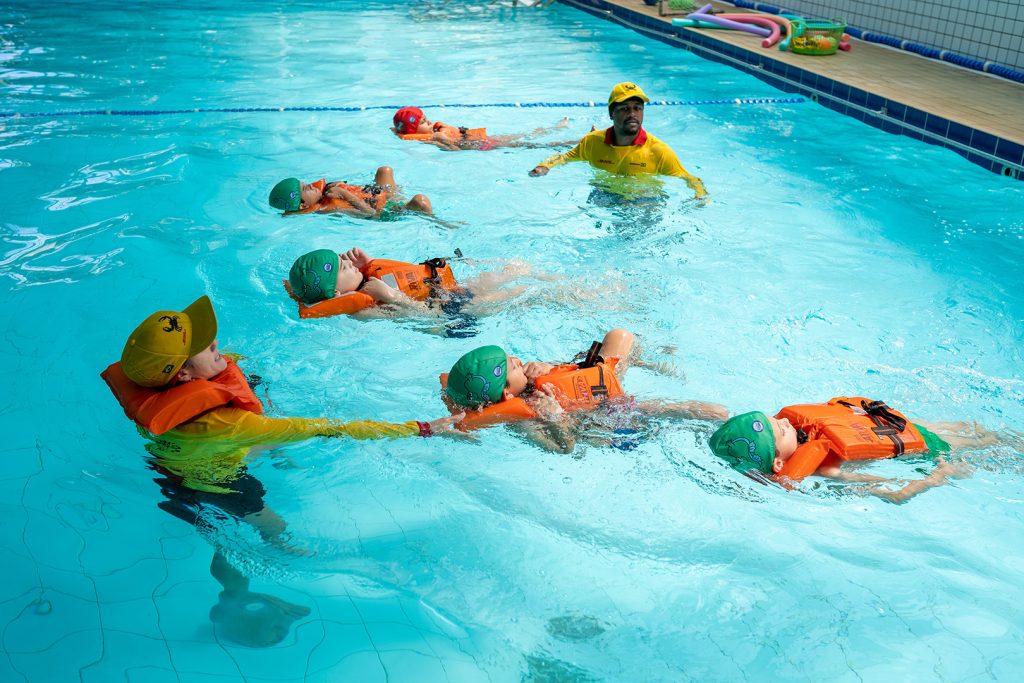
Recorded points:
(624, 91)
(159, 346)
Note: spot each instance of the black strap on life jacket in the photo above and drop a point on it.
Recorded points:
(435, 264)
(887, 423)
(589, 359)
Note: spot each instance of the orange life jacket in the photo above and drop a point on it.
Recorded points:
(161, 410)
(453, 133)
(575, 388)
(329, 204)
(847, 428)
(415, 280)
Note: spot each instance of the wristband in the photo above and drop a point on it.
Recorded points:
(425, 430)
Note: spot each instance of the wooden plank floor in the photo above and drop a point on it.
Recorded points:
(980, 101)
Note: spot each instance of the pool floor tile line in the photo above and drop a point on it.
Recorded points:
(980, 117)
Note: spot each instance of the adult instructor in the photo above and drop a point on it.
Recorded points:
(625, 148)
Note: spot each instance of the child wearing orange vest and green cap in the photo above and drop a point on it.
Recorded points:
(410, 123)
(543, 400)
(326, 282)
(376, 200)
(625, 148)
(817, 439)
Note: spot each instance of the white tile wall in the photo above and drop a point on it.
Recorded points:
(986, 29)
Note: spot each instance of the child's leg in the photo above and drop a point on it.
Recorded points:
(963, 434)
(685, 410)
(487, 286)
(385, 176)
(617, 343)
(547, 129)
(420, 203)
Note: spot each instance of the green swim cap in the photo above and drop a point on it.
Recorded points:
(287, 195)
(746, 441)
(479, 377)
(314, 275)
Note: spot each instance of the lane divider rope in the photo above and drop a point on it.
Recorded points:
(249, 110)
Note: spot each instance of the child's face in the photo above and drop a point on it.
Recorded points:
(516, 380)
(310, 195)
(785, 441)
(206, 364)
(349, 277)
(426, 126)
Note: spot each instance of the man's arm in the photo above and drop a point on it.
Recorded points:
(574, 154)
(668, 164)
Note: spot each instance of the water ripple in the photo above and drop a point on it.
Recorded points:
(33, 257)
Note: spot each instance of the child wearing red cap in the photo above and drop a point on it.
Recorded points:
(411, 124)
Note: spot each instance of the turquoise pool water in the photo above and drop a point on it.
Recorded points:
(833, 259)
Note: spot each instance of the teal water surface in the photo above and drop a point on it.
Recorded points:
(832, 259)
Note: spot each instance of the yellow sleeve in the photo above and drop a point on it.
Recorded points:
(242, 428)
(574, 154)
(668, 164)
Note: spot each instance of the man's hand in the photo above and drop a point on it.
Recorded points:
(539, 171)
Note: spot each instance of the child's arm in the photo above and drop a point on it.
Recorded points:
(442, 141)
(551, 436)
(939, 476)
(385, 294)
(359, 207)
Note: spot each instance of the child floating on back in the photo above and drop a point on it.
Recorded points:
(411, 124)
(378, 200)
(329, 283)
(539, 398)
(817, 439)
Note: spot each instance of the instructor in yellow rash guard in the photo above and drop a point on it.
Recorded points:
(625, 148)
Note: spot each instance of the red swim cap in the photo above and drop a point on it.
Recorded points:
(407, 119)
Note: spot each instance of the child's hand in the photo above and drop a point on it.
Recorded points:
(357, 257)
(380, 291)
(545, 404)
(535, 369)
(445, 424)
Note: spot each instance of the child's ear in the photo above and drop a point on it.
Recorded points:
(183, 375)
(506, 394)
(777, 465)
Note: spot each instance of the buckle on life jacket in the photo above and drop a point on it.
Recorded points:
(435, 264)
(887, 423)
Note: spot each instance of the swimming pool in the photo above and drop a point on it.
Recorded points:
(833, 258)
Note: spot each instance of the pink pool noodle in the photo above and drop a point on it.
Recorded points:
(758, 20)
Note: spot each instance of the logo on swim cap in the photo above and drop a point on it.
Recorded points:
(757, 426)
(498, 370)
(328, 267)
